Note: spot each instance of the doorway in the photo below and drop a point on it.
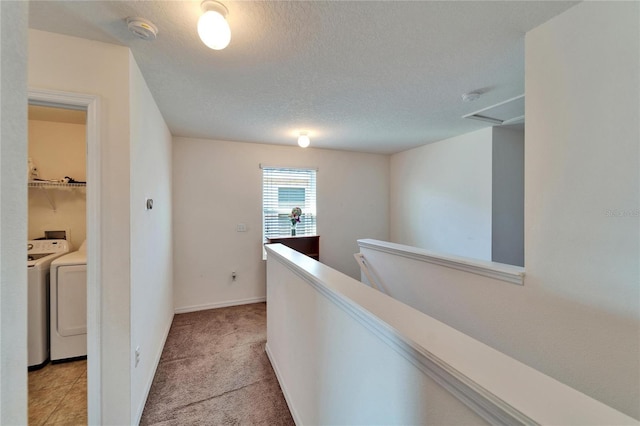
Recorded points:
(91, 105)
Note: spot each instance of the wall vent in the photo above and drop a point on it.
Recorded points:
(507, 112)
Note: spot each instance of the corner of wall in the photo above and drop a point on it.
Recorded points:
(151, 236)
(582, 196)
(13, 209)
(507, 212)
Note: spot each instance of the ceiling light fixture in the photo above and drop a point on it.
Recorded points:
(303, 140)
(213, 27)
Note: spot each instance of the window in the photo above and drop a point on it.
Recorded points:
(282, 190)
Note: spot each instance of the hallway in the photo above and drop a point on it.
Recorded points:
(214, 370)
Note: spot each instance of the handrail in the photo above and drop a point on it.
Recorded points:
(368, 273)
(499, 271)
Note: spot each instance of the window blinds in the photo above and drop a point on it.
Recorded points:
(282, 190)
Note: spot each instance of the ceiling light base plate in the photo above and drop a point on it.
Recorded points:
(215, 6)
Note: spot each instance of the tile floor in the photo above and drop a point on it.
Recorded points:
(58, 394)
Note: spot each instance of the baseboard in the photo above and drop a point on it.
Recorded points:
(216, 305)
(155, 369)
(294, 414)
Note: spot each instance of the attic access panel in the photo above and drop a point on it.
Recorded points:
(507, 112)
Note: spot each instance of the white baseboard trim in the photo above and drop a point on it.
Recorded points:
(147, 388)
(217, 305)
(294, 414)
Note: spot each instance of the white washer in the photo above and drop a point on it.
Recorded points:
(40, 254)
(69, 306)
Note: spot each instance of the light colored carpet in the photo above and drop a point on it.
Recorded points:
(214, 371)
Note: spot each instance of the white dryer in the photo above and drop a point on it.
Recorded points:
(69, 306)
(40, 254)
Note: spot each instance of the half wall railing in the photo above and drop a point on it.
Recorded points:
(345, 353)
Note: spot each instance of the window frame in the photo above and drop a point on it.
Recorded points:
(273, 179)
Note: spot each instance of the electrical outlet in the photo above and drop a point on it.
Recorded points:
(233, 275)
(137, 356)
(241, 227)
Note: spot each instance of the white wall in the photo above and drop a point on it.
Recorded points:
(441, 196)
(151, 237)
(58, 150)
(507, 201)
(71, 64)
(345, 353)
(136, 263)
(480, 299)
(582, 199)
(13, 210)
(219, 184)
(577, 317)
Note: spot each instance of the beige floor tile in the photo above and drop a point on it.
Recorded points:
(76, 398)
(73, 407)
(42, 403)
(67, 420)
(82, 380)
(58, 394)
(56, 375)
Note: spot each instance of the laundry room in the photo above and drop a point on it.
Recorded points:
(56, 258)
(57, 153)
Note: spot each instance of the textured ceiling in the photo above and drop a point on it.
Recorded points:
(357, 75)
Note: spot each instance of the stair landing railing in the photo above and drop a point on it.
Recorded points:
(372, 278)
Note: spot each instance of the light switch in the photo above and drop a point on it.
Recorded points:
(241, 227)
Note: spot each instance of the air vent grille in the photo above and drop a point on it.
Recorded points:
(507, 112)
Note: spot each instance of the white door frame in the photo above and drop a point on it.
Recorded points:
(94, 289)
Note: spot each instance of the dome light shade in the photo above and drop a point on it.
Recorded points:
(303, 140)
(213, 27)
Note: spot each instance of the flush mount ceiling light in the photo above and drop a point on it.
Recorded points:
(213, 27)
(303, 140)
